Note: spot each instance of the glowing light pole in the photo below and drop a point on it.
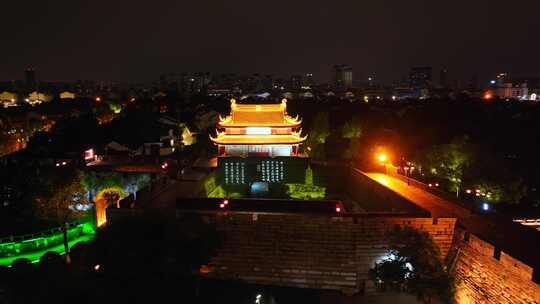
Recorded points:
(66, 242)
(406, 168)
(382, 158)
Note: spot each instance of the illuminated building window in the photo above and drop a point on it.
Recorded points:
(258, 131)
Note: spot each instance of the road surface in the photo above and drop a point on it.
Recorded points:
(437, 206)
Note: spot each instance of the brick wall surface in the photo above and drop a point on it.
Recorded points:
(486, 276)
(305, 251)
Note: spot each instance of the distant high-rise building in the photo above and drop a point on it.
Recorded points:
(532, 82)
(421, 77)
(473, 83)
(30, 78)
(296, 81)
(268, 82)
(168, 82)
(443, 78)
(194, 83)
(501, 79)
(307, 80)
(513, 91)
(343, 76)
(371, 81)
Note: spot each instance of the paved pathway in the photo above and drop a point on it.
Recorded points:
(438, 206)
(512, 238)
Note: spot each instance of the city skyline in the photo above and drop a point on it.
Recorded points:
(115, 41)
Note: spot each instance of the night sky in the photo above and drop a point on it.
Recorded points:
(138, 40)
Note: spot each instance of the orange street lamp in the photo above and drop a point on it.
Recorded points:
(382, 158)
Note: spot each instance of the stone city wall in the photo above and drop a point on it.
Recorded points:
(487, 275)
(311, 251)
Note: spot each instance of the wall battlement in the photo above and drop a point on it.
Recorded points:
(489, 275)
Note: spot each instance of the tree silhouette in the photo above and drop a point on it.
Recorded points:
(416, 262)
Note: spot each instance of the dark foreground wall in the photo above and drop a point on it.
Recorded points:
(310, 251)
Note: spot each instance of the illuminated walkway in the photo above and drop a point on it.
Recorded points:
(34, 256)
(506, 235)
(438, 206)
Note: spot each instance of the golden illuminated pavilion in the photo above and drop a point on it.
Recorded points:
(264, 130)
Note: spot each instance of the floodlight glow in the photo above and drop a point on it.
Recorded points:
(89, 154)
(258, 131)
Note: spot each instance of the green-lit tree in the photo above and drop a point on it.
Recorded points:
(64, 191)
(318, 133)
(449, 161)
(309, 176)
(90, 183)
(415, 261)
(495, 176)
(352, 130)
(135, 182)
(497, 191)
(320, 129)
